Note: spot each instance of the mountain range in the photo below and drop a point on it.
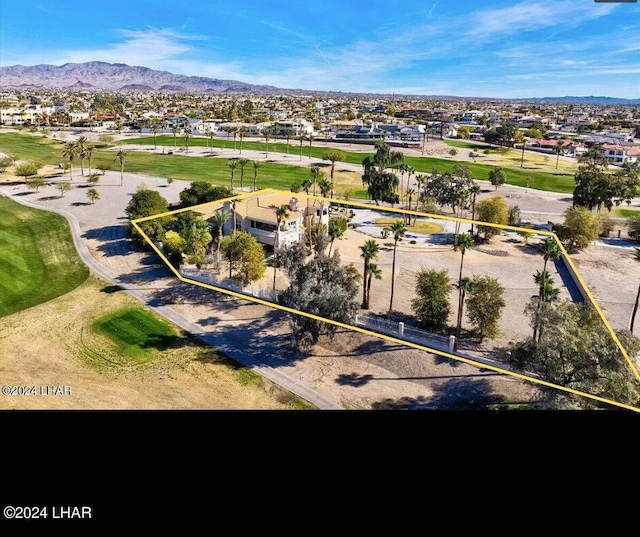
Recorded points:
(119, 76)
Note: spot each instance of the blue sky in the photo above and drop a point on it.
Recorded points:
(488, 48)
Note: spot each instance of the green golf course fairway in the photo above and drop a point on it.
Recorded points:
(136, 333)
(38, 261)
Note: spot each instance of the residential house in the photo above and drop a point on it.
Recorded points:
(620, 155)
(297, 127)
(257, 216)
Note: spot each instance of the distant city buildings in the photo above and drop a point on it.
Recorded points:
(397, 120)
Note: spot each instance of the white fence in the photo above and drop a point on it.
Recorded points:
(203, 276)
(399, 330)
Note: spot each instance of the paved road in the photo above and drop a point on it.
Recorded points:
(215, 339)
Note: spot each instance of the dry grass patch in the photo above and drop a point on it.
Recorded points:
(55, 343)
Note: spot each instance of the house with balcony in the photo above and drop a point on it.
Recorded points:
(257, 215)
(620, 155)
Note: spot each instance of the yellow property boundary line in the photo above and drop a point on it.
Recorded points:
(383, 336)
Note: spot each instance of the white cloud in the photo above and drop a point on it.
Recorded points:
(527, 16)
(150, 48)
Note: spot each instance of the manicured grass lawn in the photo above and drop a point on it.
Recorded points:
(136, 333)
(271, 174)
(462, 144)
(625, 213)
(29, 147)
(37, 257)
(425, 228)
(215, 170)
(317, 151)
(555, 182)
(551, 182)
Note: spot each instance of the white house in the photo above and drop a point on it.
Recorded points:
(296, 127)
(257, 216)
(620, 155)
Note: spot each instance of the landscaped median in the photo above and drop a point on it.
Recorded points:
(468, 358)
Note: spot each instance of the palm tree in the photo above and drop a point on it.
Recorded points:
(81, 144)
(474, 190)
(266, 139)
(306, 186)
(120, 156)
(242, 132)
(234, 205)
(402, 168)
(398, 229)
(547, 293)
(374, 272)
(544, 281)
(464, 285)
(310, 142)
(636, 256)
(155, 129)
(410, 171)
(550, 250)
(465, 242)
(234, 131)
(174, 130)
(219, 220)
(187, 135)
(233, 164)
(315, 176)
(410, 193)
(325, 187)
(288, 134)
(211, 134)
(282, 213)
(333, 156)
(301, 138)
(70, 152)
(335, 232)
(558, 150)
(370, 250)
(256, 165)
(242, 162)
(89, 151)
(93, 195)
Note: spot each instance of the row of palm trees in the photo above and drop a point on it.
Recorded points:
(242, 162)
(83, 150)
(547, 292)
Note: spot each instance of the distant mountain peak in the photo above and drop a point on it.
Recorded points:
(114, 76)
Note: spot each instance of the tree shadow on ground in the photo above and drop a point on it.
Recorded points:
(146, 278)
(454, 394)
(531, 249)
(49, 198)
(81, 203)
(162, 342)
(110, 289)
(106, 233)
(439, 360)
(567, 281)
(357, 380)
(353, 379)
(21, 194)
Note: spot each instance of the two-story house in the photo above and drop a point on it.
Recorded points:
(257, 215)
(621, 154)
